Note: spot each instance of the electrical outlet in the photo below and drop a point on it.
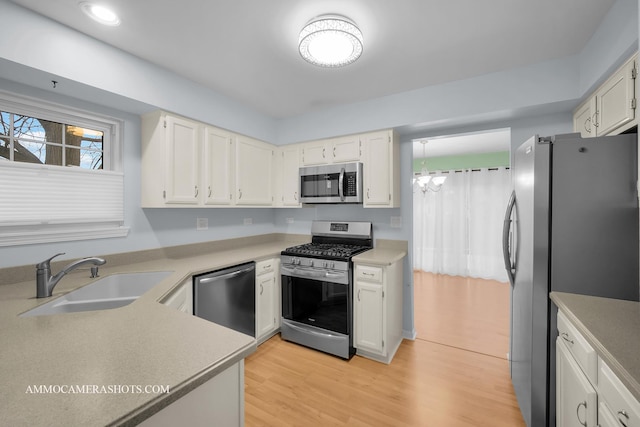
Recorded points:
(289, 220)
(202, 224)
(396, 222)
(248, 221)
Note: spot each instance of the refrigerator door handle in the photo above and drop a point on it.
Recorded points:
(506, 229)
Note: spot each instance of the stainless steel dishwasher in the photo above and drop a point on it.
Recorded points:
(228, 297)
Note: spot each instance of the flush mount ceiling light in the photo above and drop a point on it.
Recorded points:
(100, 13)
(330, 41)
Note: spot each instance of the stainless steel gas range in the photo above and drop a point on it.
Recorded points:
(317, 286)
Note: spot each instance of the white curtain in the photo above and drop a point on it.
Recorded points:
(458, 230)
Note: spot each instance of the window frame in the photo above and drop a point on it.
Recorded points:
(11, 235)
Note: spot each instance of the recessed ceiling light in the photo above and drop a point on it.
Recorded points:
(100, 13)
(330, 41)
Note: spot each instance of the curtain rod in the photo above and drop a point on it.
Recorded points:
(466, 170)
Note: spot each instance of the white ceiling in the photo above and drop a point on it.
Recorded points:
(246, 49)
(467, 143)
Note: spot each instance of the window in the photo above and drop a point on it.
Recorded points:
(60, 173)
(32, 140)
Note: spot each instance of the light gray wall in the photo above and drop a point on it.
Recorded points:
(534, 99)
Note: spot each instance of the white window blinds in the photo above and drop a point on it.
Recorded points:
(40, 200)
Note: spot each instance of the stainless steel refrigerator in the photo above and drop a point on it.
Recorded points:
(571, 226)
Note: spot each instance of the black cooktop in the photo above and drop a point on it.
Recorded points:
(326, 250)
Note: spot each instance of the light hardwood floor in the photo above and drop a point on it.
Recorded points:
(471, 314)
(427, 384)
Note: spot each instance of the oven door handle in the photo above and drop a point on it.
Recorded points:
(309, 331)
(297, 272)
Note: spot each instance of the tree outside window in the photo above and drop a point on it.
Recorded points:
(32, 140)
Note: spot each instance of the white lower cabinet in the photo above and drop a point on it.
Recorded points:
(624, 407)
(219, 402)
(588, 393)
(576, 398)
(267, 298)
(377, 322)
(182, 297)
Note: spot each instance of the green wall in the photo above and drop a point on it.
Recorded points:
(465, 161)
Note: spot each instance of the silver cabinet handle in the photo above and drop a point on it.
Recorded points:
(323, 150)
(209, 191)
(367, 274)
(368, 193)
(295, 195)
(587, 128)
(261, 289)
(625, 415)
(239, 193)
(565, 336)
(359, 294)
(584, 423)
(594, 119)
(334, 152)
(266, 266)
(196, 195)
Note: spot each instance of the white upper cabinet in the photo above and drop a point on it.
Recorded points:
(182, 159)
(345, 149)
(217, 147)
(254, 168)
(315, 153)
(187, 164)
(582, 120)
(287, 176)
(381, 169)
(335, 150)
(190, 164)
(611, 109)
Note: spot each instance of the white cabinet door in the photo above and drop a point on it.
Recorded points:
(346, 149)
(289, 168)
(369, 317)
(576, 399)
(266, 289)
(182, 158)
(315, 153)
(582, 119)
(254, 161)
(615, 101)
(182, 297)
(606, 417)
(379, 169)
(217, 167)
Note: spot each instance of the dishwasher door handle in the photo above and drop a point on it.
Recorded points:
(213, 278)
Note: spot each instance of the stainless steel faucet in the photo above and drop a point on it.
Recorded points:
(45, 282)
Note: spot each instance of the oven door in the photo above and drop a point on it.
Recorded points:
(316, 302)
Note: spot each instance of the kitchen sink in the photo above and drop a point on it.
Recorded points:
(106, 293)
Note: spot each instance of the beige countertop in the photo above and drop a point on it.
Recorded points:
(144, 343)
(386, 252)
(612, 327)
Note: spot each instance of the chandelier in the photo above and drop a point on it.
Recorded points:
(330, 41)
(425, 180)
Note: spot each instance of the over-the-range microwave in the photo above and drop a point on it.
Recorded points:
(337, 183)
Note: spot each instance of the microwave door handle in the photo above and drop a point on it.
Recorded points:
(341, 185)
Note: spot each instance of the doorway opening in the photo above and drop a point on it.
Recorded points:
(461, 290)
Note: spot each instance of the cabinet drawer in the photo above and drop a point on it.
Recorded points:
(623, 405)
(581, 350)
(265, 266)
(368, 273)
